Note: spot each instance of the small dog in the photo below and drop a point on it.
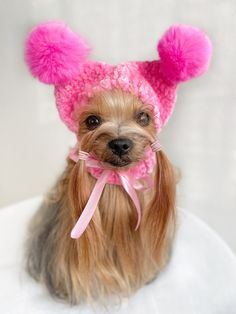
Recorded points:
(111, 257)
(117, 192)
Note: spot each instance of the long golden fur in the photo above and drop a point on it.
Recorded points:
(110, 258)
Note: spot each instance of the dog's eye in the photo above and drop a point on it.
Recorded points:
(143, 118)
(92, 122)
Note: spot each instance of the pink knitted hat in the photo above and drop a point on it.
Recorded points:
(56, 55)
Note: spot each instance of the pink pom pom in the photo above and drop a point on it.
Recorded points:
(185, 52)
(53, 53)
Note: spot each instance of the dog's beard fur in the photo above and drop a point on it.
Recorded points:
(110, 258)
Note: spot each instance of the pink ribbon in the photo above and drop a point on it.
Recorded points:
(128, 183)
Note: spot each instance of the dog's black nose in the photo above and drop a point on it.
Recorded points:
(120, 146)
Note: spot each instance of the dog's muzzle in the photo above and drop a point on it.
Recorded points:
(129, 183)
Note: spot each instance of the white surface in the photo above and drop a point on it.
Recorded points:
(200, 137)
(200, 279)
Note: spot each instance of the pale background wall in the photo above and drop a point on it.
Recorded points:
(200, 137)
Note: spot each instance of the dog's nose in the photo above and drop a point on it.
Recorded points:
(120, 146)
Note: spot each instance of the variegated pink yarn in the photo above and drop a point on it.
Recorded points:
(95, 77)
(56, 55)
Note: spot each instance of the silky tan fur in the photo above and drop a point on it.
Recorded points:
(110, 258)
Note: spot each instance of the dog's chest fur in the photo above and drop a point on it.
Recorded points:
(110, 258)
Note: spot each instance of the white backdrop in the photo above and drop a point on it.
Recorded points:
(200, 136)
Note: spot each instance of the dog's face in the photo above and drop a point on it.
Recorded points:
(116, 127)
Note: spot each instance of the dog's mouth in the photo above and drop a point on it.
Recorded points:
(118, 162)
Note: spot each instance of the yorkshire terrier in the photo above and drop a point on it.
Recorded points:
(107, 226)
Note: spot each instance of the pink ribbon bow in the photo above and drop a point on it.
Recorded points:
(128, 183)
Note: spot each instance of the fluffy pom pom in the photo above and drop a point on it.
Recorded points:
(185, 52)
(53, 53)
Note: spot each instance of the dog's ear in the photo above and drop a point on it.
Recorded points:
(159, 217)
(54, 53)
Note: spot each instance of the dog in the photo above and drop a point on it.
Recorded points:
(124, 222)
(111, 257)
